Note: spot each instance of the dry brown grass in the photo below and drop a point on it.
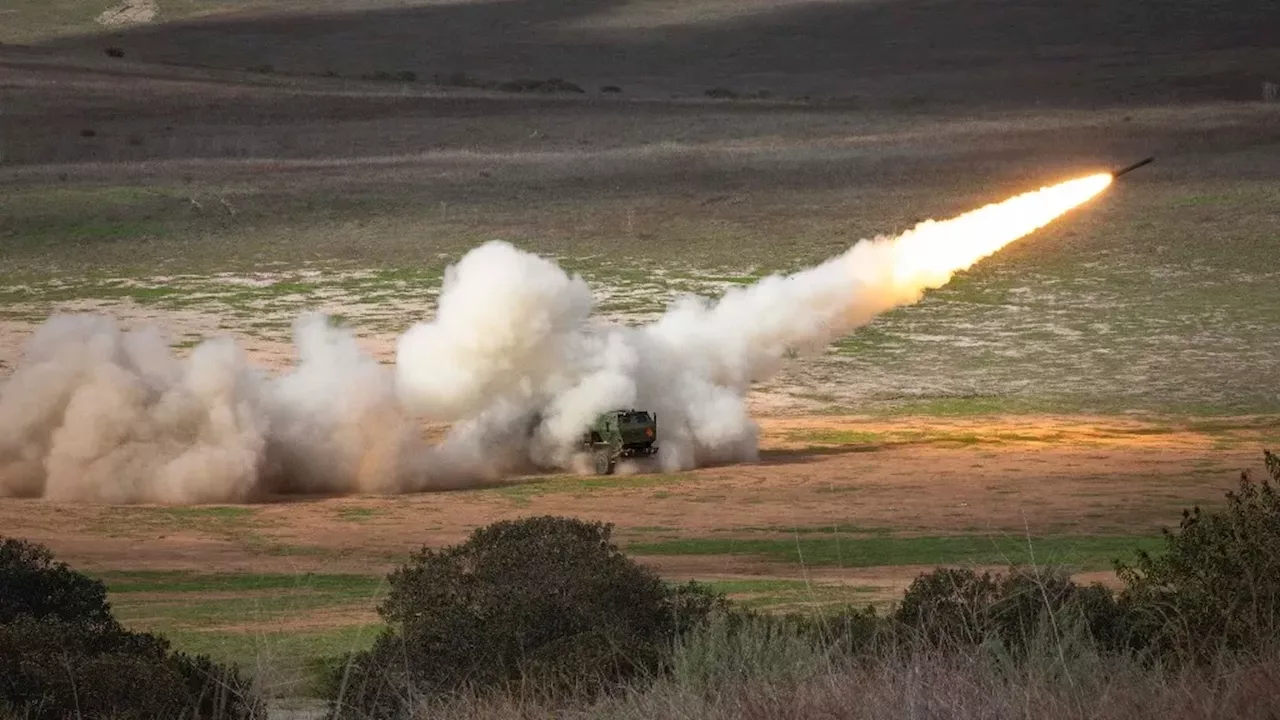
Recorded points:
(928, 685)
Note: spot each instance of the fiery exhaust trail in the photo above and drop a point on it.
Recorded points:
(512, 359)
(746, 336)
(931, 252)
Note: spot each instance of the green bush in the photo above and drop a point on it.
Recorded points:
(955, 607)
(1216, 586)
(951, 605)
(551, 85)
(845, 631)
(62, 654)
(544, 602)
(722, 93)
(734, 647)
(34, 585)
(1213, 590)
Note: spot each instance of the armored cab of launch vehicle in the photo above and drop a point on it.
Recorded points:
(620, 434)
(614, 435)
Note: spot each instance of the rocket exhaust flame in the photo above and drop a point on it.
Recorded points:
(100, 414)
(932, 251)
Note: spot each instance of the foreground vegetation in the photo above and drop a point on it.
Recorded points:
(546, 616)
(63, 654)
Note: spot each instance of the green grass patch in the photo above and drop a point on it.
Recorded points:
(245, 648)
(267, 608)
(245, 617)
(226, 513)
(287, 664)
(179, 581)
(169, 600)
(1083, 553)
(357, 514)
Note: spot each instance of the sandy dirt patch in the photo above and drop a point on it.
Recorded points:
(1063, 476)
(130, 12)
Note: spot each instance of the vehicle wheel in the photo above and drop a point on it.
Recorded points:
(604, 464)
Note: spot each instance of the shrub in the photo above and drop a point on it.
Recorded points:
(692, 603)
(459, 79)
(547, 601)
(551, 85)
(36, 586)
(845, 631)
(406, 76)
(955, 607)
(63, 653)
(733, 647)
(951, 605)
(1216, 586)
(1213, 591)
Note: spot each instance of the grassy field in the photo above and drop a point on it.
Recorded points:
(281, 627)
(837, 512)
(1060, 402)
(1124, 305)
(285, 627)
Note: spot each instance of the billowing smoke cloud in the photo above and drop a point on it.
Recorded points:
(512, 360)
(336, 423)
(99, 414)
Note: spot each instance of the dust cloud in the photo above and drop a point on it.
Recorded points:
(513, 361)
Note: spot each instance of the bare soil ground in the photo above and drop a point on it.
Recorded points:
(1005, 477)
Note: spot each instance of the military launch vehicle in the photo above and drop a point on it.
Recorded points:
(618, 434)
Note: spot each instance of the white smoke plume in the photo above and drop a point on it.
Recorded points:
(102, 415)
(336, 423)
(512, 360)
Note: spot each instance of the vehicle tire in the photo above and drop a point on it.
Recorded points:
(604, 463)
